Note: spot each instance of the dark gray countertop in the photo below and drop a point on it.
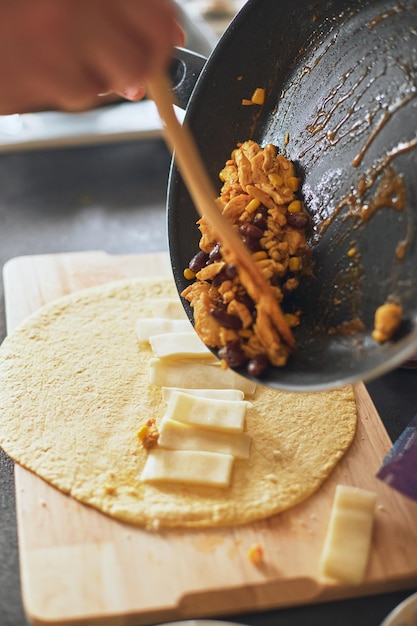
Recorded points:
(112, 198)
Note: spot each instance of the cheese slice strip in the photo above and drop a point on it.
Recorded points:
(148, 326)
(166, 307)
(223, 415)
(347, 545)
(177, 436)
(219, 394)
(180, 344)
(188, 466)
(193, 374)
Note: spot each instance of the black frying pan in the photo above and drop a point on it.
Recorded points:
(340, 78)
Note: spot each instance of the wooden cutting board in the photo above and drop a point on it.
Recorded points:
(80, 567)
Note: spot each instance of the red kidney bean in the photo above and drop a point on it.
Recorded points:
(219, 279)
(245, 299)
(232, 322)
(198, 261)
(215, 254)
(250, 230)
(257, 365)
(253, 244)
(262, 210)
(260, 221)
(298, 220)
(228, 272)
(233, 354)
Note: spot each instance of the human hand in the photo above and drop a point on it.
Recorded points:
(61, 54)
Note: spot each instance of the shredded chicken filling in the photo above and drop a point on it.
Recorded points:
(259, 197)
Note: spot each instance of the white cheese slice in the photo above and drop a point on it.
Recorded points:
(178, 436)
(148, 326)
(166, 307)
(188, 466)
(180, 344)
(219, 394)
(192, 374)
(347, 545)
(223, 415)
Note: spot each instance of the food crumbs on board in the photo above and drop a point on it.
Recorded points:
(255, 554)
(148, 434)
(387, 321)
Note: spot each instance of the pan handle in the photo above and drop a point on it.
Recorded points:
(184, 71)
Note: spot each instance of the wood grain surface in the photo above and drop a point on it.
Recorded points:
(79, 567)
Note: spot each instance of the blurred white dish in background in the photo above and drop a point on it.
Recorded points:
(405, 614)
(218, 13)
(121, 121)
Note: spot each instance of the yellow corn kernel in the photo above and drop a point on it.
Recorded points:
(295, 263)
(142, 432)
(351, 252)
(276, 180)
(295, 206)
(253, 205)
(293, 183)
(258, 96)
(188, 274)
(255, 553)
(260, 255)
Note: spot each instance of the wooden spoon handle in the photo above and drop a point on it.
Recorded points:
(189, 162)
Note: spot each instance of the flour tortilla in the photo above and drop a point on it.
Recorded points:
(74, 391)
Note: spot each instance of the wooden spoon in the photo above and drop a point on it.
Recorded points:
(187, 157)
